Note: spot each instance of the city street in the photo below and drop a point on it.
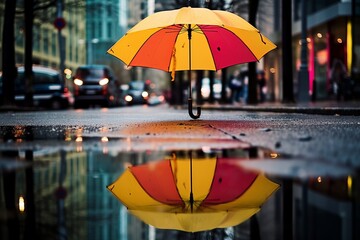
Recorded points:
(70, 151)
(330, 138)
(200, 120)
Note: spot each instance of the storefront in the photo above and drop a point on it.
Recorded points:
(332, 44)
(327, 45)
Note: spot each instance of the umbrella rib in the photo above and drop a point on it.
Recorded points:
(181, 30)
(174, 28)
(212, 182)
(174, 173)
(206, 28)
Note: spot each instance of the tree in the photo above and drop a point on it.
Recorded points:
(8, 47)
(30, 7)
(29, 20)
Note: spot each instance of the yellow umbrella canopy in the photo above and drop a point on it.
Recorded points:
(192, 194)
(218, 39)
(191, 39)
(194, 222)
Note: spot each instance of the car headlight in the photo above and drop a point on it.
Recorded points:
(128, 98)
(78, 82)
(104, 81)
(144, 94)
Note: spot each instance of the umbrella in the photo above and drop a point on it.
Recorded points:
(191, 39)
(192, 194)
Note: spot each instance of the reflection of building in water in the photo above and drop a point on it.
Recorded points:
(90, 210)
(61, 181)
(84, 209)
(71, 195)
(329, 208)
(105, 216)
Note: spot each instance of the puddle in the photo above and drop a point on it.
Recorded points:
(53, 184)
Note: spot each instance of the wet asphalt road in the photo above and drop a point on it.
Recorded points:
(330, 139)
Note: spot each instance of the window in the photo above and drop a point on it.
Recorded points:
(40, 78)
(109, 25)
(53, 43)
(312, 6)
(46, 41)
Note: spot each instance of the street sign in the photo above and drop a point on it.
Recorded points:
(59, 23)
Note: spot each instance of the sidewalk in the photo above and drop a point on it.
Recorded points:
(321, 107)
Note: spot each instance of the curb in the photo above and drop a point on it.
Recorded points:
(350, 111)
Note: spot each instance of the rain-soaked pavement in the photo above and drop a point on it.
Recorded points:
(53, 177)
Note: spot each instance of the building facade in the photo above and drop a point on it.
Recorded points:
(105, 24)
(91, 27)
(333, 36)
(46, 50)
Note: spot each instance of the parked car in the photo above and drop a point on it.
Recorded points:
(137, 93)
(49, 88)
(94, 85)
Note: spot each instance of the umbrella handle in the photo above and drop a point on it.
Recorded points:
(190, 108)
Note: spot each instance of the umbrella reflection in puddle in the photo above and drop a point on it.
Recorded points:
(193, 193)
